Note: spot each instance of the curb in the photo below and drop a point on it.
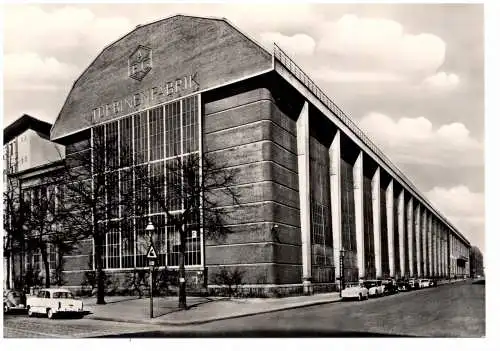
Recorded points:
(211, 319)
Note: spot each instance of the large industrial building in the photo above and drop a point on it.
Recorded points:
(315, 191)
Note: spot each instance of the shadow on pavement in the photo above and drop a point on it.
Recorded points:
(191, 306)
(254, 334)
(480, 282)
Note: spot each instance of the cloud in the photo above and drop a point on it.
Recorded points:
(29, 71)
(273, 17)
(442, 81)
(416, 141)
(383, 44)
(298, 44)
(63, 30)
(365, 49)
(464, 208)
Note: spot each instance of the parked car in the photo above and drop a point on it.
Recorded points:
(53, 302)
(413, 283)
(13, 300)
(403, 285)
(424, 283)
(433, 282)
(355, 290)
(390, 287)
(375, 287)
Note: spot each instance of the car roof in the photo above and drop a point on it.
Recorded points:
(55, 290)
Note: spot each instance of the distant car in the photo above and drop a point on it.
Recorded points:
(13, 300)
(433, 283)
(403, 285)
(390, 287)
(413, 283)
(375, 287)
(54, 302)
(424, 283)
(355, 291)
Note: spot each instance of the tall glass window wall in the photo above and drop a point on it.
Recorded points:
(321, 238)
(147, 143)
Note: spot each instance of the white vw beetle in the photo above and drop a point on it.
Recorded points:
(52, 302)
(375, 287)
(355, 291)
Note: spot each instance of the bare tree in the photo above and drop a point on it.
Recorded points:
(190, 192)
(91, 188)
(44, 222)
(13, 224)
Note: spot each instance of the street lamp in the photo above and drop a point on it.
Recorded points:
(342, 254)
(150, 229)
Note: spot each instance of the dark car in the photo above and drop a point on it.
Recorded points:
(403, 285)
(433, 283)
(390, 287)
(13, 300)
(414, 283)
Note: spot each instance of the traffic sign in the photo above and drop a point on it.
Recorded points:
(152, 253)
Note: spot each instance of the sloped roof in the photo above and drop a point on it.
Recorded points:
(24, 123)
(212, 49)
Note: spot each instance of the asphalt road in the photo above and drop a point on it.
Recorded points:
(455, 310)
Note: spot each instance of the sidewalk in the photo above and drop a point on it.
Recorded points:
(201, 309)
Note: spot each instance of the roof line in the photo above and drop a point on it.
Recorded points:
(41, 127)
(42, 167)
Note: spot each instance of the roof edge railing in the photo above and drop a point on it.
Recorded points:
(297, 72)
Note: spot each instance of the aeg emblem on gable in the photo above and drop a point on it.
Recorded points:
(140, 62)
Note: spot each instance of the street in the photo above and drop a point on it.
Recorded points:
(452, 310)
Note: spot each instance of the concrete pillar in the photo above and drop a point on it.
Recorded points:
(304, 195)
(442, 249)
(335, 200)
(417, 240)
(358, 212)
(434, 247)
(409, 226)
(445, 252)
(389, 205)
(376, 223)
(424, 242)
(438, 248)
(448, 253)
(447, 236)
(455, 256)
(401, 232)
(430, 254)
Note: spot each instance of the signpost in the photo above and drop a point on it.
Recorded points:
(151, 256)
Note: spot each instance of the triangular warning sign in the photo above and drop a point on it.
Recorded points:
(151, 252)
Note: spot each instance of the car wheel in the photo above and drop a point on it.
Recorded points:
(50, 314)
(30, 312)
(5, 308)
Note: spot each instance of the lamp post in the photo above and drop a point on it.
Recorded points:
(342, 254)
(150, 230)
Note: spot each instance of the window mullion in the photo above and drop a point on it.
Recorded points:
(200, 179)
(164, 107)
(182, 152)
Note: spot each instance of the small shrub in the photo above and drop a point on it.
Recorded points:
(231, 280)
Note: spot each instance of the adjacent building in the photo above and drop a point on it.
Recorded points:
(315, 191)
(29, 156)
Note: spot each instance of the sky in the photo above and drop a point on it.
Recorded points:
(411, 76)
